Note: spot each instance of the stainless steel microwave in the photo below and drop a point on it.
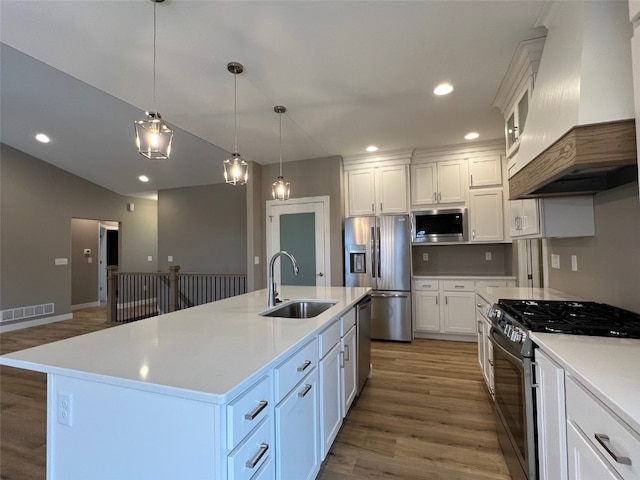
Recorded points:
(440, 226)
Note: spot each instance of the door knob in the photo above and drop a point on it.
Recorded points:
(320, 274)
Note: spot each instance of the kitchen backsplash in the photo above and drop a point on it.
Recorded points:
(608, 264)
(484, 259)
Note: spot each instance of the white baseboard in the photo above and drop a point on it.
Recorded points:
(85, 305)
(34, 323)
(446, 336)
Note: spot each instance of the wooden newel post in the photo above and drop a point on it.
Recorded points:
(112, 293)
(173, 288)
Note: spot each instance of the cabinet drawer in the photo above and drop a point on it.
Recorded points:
(348, 320)
(597, 422)
(426, 285)
(251, 454)
(329, 338)
(289, 373)
(247, 411)
(458, 285)
(491, 283)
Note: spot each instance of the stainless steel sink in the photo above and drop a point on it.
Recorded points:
(300, 309)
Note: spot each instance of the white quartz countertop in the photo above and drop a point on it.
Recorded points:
(606, 366)
(204, 353)
(493, 294)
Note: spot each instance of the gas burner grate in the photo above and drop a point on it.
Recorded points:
(573, 317)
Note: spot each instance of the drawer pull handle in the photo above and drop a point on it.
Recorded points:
(304, 392)
(479, 305)
(346, 353)
(304, 366)
(261, 406)
(256, 459)
(458, 286)
(606, 444)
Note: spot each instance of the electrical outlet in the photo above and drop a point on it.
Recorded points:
(425, 257)
(256, 260)
(65, 410)
(150, 258)
(555, 260)
(169, 258)
(574, 263)
(487, 256)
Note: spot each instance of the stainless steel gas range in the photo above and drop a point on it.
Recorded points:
(514, 354)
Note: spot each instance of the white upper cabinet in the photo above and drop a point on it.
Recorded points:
(552, 217)
(377, 184)
(485, 171)
(439, 182)
(514, 95)
(516, 118)
(486, 215)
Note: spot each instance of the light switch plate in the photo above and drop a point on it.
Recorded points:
(61, 261)
(425, 256)
(574, 263)
(256, 260)
(170, 258)
(555, 260)
(487, 256)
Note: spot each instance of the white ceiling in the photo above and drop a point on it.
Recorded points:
(351, 73)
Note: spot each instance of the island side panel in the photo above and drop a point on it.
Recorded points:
(110, 432)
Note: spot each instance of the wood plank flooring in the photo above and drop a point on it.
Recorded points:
(424, 415)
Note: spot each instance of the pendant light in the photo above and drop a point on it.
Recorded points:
(280, 188)
(236, 170)
(153, 135)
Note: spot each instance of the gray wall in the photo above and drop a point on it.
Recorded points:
(204, 228)
(609, 262)
(84, 274)
(312, 178)
(462, 259)
(37, 203)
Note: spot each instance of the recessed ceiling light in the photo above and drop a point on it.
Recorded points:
(143, 178)
(471, 136)
(42, 138)
(372, 148)
(443, 89)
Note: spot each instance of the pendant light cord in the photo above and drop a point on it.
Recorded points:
(154, 55)
(280, 115)
(235, 111)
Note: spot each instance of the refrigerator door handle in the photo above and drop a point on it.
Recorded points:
(373, 252)
(378, 249)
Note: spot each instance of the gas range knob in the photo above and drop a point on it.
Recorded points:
(507, 330)
(491, 313)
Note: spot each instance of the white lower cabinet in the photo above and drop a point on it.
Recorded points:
(459, 312)
(331, 398)
(349, 359)
(297, 431)
(584, 462)
(485, 349)
(551, 418)
(448, 306)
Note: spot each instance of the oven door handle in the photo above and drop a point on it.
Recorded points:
(511, 356)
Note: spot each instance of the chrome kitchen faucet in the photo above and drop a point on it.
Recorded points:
(271, 283)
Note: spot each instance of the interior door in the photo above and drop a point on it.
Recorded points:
(301, 227)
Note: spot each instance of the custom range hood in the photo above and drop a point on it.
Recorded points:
(580, 134)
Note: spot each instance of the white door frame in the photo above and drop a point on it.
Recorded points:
(324, 200)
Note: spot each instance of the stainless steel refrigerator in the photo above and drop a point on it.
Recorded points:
(378, 255)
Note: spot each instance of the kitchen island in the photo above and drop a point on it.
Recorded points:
(189, 394)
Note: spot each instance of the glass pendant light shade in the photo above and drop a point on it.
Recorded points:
(236, 170)
(153, 137)
(281, 189)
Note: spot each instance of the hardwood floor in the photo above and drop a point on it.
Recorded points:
(424, 415)
(23, 396)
